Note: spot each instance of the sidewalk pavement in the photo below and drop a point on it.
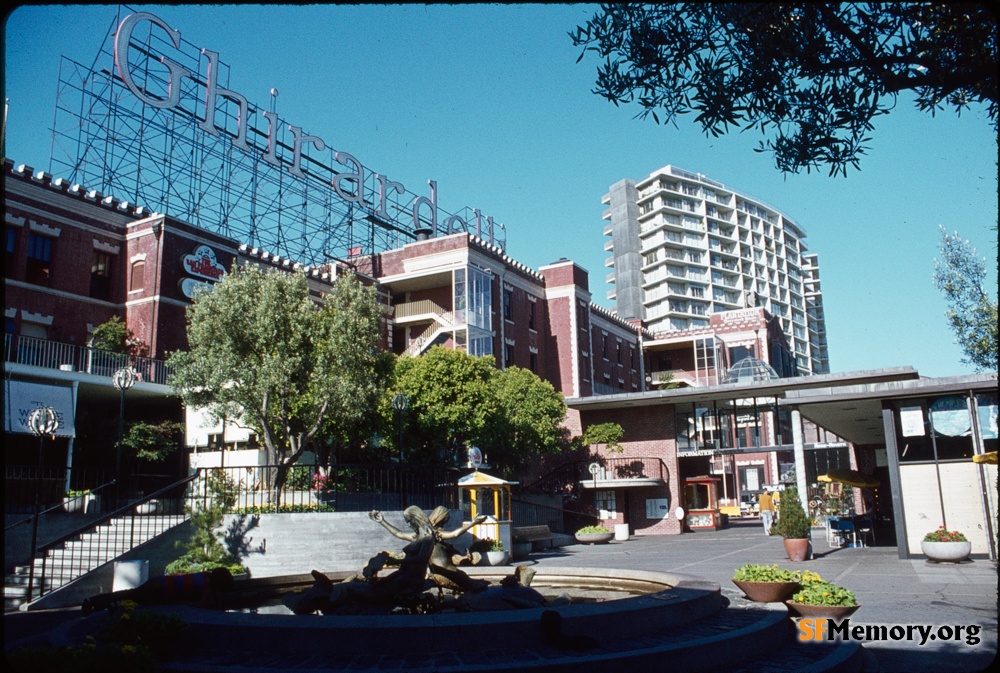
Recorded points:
(890, 590)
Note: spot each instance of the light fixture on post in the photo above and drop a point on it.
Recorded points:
(42, 421)
(400, 402)
(123, 379)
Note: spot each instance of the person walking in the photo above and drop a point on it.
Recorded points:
(766, 506)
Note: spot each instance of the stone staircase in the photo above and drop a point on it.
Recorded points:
(77, 556)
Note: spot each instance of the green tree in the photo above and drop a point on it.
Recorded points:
(960, 275)
(526, 422)
(114, 336)
(457, 399)
(263, 351)
(450, 401)
(812, 75)
(153, 441)
(609, 434)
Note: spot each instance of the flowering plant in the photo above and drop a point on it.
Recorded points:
(752, 572)
(817, 591)
(942, 534)
(323, 482)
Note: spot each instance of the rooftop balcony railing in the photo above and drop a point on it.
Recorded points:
(33, 352)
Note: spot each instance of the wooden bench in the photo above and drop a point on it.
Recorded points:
(536, 535)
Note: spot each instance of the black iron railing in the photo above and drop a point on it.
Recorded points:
(565, 478)
(108, 535)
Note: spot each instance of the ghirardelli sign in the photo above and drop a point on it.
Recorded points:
(203, 264)
(349, 184)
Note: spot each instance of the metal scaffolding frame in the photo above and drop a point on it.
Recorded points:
(107, 139)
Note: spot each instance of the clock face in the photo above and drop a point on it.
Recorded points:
(950, 416)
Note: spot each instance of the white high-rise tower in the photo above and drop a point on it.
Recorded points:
(684, 246)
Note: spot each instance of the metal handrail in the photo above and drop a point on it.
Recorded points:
(105, 551)
(48, 354)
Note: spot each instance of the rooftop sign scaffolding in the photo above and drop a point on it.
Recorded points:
(155, 122)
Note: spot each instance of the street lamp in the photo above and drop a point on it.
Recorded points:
(123, 379)
(42, 421)
(400, 402)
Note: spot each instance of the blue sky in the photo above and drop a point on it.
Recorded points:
(488, 101)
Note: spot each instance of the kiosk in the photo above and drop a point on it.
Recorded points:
(480, 493)
(701, 494)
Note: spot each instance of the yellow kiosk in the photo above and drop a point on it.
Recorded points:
(480, 493)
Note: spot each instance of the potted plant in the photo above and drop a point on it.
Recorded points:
(78, 500)
(819, 598)
(594, 535)
(496, 554)
(522, 547)
(489, 551)
(794, 526)
(943, 545)
(766, 584)
(148, 507)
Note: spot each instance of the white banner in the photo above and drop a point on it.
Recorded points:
(21, 398)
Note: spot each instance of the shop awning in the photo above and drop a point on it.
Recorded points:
(849, 478)
(22, 398)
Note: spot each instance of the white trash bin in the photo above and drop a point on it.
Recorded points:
(621, 531)
(130, 574)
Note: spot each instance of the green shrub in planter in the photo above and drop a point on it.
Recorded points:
(793, 524)
(587, 530)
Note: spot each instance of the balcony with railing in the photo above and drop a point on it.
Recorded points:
(46, 354)
(621, 472)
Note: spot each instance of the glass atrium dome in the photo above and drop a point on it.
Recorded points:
(749, 370)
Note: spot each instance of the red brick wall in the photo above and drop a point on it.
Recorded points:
(647, 434)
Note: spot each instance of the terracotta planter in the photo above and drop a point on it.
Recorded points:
(594, 538)
(946, 552)
(767, 592)
(822, 611)
(797, 549)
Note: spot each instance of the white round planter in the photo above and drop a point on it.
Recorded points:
(497, 558)
(952, 552)
(149, 507)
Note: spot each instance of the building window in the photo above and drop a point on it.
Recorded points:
(604, 347)
(604, 501)
(11, 235)
(935, 428)
(532, 307)
(533, 362)
(508, 354)
(100, 276)
(137, 281)
(508, 304)
(39, 259)
(618, 353)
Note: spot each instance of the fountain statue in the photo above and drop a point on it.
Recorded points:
(429, 562)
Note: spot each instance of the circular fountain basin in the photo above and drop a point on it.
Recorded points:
(617, 604)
